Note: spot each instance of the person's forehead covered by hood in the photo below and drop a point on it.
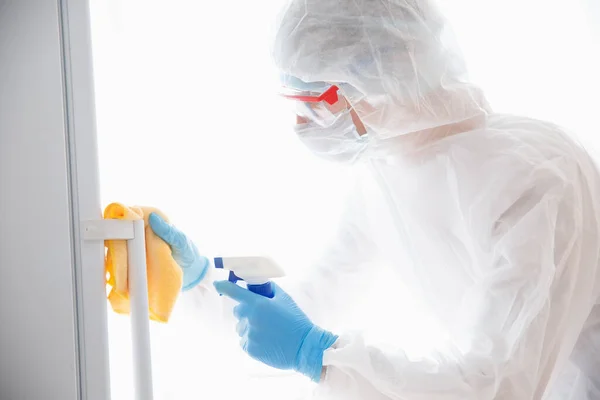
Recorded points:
(395, 61)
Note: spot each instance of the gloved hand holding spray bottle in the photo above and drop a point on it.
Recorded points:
(274, 330)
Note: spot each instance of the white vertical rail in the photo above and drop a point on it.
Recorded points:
(133, 232)
(140, 324)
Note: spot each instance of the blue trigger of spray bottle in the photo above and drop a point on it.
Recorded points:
(256, 271)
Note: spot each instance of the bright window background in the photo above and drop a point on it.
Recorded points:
(188, 121)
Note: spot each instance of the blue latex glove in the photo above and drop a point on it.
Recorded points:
(184, 252)
(276, 332)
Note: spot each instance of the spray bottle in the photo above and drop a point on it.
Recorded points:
(256, 271)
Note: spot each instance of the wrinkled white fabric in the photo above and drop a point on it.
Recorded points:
(493, 221)
(497, 230)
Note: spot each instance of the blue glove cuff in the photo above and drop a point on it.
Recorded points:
(310, 355)
(194, 275)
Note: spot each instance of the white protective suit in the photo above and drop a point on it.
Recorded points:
(492, 219)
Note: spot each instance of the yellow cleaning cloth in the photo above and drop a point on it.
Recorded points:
(165, 277)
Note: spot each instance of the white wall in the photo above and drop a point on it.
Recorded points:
(46, 114)
(37, 342)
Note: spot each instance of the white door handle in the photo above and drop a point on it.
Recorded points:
(133, 232)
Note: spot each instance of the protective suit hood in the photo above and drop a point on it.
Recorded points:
(395, 61)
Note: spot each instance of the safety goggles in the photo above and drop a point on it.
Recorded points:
(317, 106)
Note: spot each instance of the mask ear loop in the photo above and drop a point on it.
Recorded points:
(353, 97)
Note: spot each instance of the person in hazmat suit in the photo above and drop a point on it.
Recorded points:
(493, 220)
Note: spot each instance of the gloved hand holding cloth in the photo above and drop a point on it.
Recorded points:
(173, 263)
(184, 251)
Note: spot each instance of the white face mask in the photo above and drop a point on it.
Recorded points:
(338, 142)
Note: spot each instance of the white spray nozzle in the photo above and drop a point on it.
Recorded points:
(254, 270)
